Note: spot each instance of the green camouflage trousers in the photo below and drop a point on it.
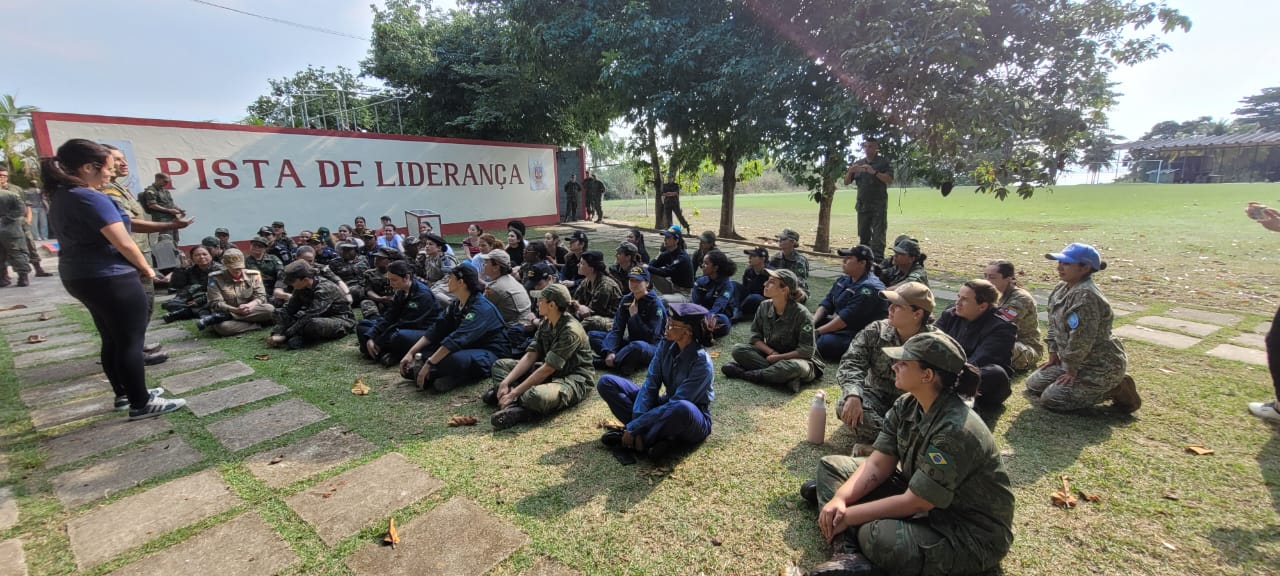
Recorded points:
(873, 411)
(551, 396)
(1087, 390)
(1024, 357)
(908, 546)
(597, 324)
(780, 373)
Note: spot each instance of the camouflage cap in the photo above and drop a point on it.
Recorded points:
(627, 248)
(221, 232)
(789, 233)
(210, 242)
(389, 253)
(911, 294)
(259, 241)
(787, 277)
(264, 231)
(709, 237)
(556, 294)
(935, 348)
(909, 247)
(233, 259)
(296, 270)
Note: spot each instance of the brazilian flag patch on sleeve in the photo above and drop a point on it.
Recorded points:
(936, 456)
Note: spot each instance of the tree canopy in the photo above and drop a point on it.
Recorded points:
(1262, 110)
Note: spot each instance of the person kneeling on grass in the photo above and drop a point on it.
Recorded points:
(782, 350)
(934, 497)
(463, 343)
(554, 374)
(655, 423)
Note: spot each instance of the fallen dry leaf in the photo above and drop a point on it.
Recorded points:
(1170, 546)
(278, 459)
(360, 388)
(610, 424)
(263, 357)
(1170, 496)
(14, 307)
(36, 339)
(392, 537)
(1063, 498)
(714, 354)
(462, 421)
(43, 316)
(1199, 450)
(1087, 497)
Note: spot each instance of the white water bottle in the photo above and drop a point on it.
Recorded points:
(818, 418)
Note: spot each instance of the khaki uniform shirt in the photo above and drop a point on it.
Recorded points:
(1022, 305)
(512, 300)
(790, 331)
(125, 199)
(564, 347)
(225, 294)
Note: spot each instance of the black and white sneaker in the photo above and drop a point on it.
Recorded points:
(157, 407)
(122, 402)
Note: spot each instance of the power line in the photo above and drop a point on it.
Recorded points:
(282, 21)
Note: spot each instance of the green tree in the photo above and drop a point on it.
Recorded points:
(1262, 110)
(16, 142)
(324, 100)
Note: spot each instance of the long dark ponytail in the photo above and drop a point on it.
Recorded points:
(60, 170)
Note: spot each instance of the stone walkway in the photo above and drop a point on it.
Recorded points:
(129, 484)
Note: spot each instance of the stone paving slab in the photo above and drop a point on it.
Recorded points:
(57, 415)
(1122, 305)
(307, 457)
(59, 372)
(105, 532)
(944, 294)
(168, 334)
(64, 392)
(1219, 318)
(245, 546)
(548, 567)
(265, 423)
(12, 560)
(1118, 313)
(38, 325)
(8, 509)
(1262, 328)
(238, 395)
(13, 336)
(349, 501)
(1251, 340)
(100, 437)
(55, 341)
(1247, 355)
(184, 347)
(1187, 326)
(27, 315)
(183, 383)
(1160, 338)
(187, 362)
(127, 470)
(51, 355)
(457, 538)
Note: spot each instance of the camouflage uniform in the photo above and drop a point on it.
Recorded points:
(796, 263)
(1080, 333)
(194, 296)
(375, 281)
(270, 266)
(153, 196)
(602, 297)
(13, 237)
(791, 330)
(351, 272)
(564, 347)
(1021, 306)
(320, 312)
(434, 270)
(892, 276)
(125, 200)
(866, 372)
(226, 293)
(949, 458)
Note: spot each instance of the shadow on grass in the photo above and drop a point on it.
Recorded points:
(1254, 549)
(1046, 442)
(592, 471)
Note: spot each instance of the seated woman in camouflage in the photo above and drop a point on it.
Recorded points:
(908, 265)
(782, 351)
(866, 373)
(933, 498)
(317, 310)
(1020, 307)
(191, 300)
(714, 290)
(1086, 365)
(596, 298)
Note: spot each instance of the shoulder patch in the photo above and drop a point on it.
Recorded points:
(807, 328)
(936, 456)
(1073, 321)
(1007, 313)
(469, 316)
(866, 291)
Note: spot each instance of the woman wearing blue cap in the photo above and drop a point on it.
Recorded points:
(657, 423)
(1086, 363)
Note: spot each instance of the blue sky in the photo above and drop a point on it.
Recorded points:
(177, 59)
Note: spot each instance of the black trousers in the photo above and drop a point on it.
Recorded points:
(1273, 353)
(671, 207)
(119, 309)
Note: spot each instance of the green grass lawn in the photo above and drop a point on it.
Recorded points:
(731, 507)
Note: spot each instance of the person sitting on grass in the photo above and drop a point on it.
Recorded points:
(625, 258)
(1086, 364)
(569, 274)
(411, 314)
(463, 344)
(657, 423)
(908, 265)
(1020, 306)
(788, 258)
(317, 310)
(866, 374)
(714, 290)
(554, 373)
(672, 271)
(191, 299)
(782, 351)
(637, 328)
(987, 337)
(751, 289)
(706, 243)
(596, 298)
(934, 497)
(237, 299)
(850, 305)
(636, 238)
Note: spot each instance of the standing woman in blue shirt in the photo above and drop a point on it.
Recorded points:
(100, 266)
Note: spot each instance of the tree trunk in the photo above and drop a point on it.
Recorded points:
(656, 163)
(729, 162)
(822, 242)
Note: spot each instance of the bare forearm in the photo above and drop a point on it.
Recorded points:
(538, 377)
(873, 471)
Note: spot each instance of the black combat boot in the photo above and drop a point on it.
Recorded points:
(846, 559)
(211, 319)
(40, 273)
(182, 314)
(22, 280)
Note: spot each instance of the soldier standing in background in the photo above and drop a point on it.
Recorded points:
(572, 191)
(158, 202)
(13, 240)
(595, 196)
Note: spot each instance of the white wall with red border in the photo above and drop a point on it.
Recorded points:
(244, 177)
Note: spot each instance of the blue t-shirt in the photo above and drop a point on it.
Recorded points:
(79, 214)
